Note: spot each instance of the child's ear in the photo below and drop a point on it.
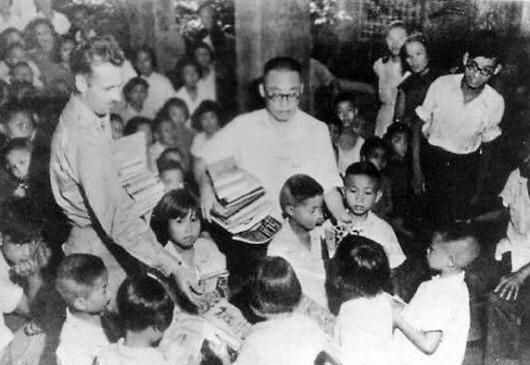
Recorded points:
(261, 89)
(378, 196)
(301, 89)
(465, 58)
(498, 69)
(289, 210)
(81, 83)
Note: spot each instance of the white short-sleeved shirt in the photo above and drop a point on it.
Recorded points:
(381, 232)
(203, 93)
(306, 262)
(363, 330)
(457, 127)
(59, 20)
(11, 294)
(292, 339)
(440, 304)
(273, 151)
(160, 90)
(80, 342)
(120, 354)
(515, 198)
(348, 157)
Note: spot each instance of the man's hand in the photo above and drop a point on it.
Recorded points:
(509, 286)
(188, 284)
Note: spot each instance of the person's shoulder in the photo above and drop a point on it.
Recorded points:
(495, 98)
(312, 124)
(381, 224)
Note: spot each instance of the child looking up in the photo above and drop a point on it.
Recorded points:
(177, 226)
(433, 327)
(301, 201)
(362, 191)
(146, 310)
(359, 274)
(284, 338)
(82, 282)
(350, 141)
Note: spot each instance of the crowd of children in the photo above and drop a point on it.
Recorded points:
(95, 283)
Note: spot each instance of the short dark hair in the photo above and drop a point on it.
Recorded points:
(187, 61)
(143, 302)
(282, 63)
(132, 83)
(297, 189)
(173, 102)
(134, 123)
(275, 288)
(31, 28)
(150, 52)
(465, 253)
(365, 168)
(12, 108)
(165, 165)
(396, 128)
(77, 274)
(360, 268)
(174, 204)
(18, 222)
(486, 44)
(371, 144)
(204, 45)
(96, 50)
(203, 108)
(158, 121)
(345, 96)
(163, 158)
(65, 38)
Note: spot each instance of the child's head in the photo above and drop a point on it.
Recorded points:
(335, 129)
(145, 61)
(275, 288)
(172, 154)
(17, 154)
(145, 306)
(190, 73)
(63, 51)
(135, 91)
(375, 150)
(164, 132)
(301, 200)
(208, 117)
(10, 36)
(19, 231)
(176, 218)
(203, 55)
(21, 72)
(17, 121)
(361, 187)
(176, 110)
(40, 33)
(397, 137)
(116, 124)
(482, 60)
(171, 174)
(15, 53)
(415, 53)
(22, 91)
(452, 249)
(82, 282)
(140, 124)
(347, 111)
(360, 268)
(395, 37)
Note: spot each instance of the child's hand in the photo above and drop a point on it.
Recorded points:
(32, 329)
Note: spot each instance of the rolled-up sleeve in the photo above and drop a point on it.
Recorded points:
(492, 129)
(426, 109)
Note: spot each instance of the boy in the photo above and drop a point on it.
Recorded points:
(17, 154)
(135, 92)
(82, 281)
(17, 122)
(165, 135)
(433, 327)
(171, 174)
(301, 200)
(362, 191)
(461, 115)
(147, 311)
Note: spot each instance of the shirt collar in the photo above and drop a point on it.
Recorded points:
(89, 118)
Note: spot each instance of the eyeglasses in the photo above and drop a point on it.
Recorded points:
(277, 97)
(474, 67)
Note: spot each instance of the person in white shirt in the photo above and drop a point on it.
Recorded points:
(461, 115)
(59, 20)
(147, 311)
(82, 282)
(433, 327)
(284, 338)
(160, 88)
(135, 93)
(193, 90)
(358, 277)
(362, 191)
(298, 241)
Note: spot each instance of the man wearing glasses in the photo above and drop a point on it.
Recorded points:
(460, 115)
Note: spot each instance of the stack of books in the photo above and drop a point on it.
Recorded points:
(241, 206)
(139, 182)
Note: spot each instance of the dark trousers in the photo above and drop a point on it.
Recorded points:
(450, 183)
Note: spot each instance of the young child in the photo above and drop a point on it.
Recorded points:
(362, 190)
(117, 125)
(146, 310)
(433, 327)
(207, 120)
(350, 141)
(18, 122)
(389, 74)
(17, 154)
(360, 274)
(135, 93)
(171, 174)
(375, 150)
(177, 226)
(284, 338)
(15, 54)
(160, 88)
(165, 137)
(301, 200)
(140, 124)
(192, 91)
(21, 71)
(82, 282)
(172, 154)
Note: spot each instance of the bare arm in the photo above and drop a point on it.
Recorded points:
(335, 204)
(426, 341)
